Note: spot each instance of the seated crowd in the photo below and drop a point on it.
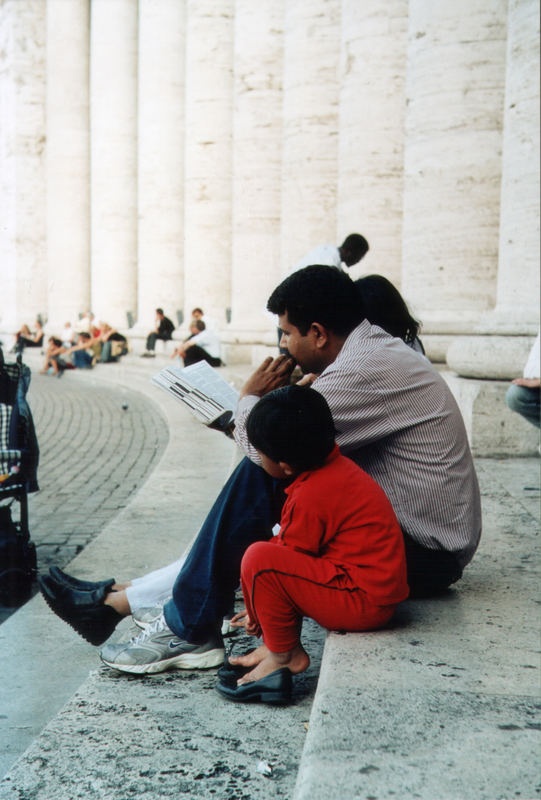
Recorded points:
(82, 350)
(94, 343)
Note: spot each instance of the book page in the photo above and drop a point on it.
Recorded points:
(207, 395)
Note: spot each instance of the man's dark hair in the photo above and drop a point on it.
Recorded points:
(353, 249)
(85, 335)
(199, 324)
(197, 310)
(160, 311)
(294, 425)
(384, 306)
(318, 294)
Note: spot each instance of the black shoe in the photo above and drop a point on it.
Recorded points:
(84, 611)
(274, 688)
(63, 579)
(229, 672)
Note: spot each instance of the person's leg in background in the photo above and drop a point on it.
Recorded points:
(194, 354)
(525, 401)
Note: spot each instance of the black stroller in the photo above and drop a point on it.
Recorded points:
(19, 456)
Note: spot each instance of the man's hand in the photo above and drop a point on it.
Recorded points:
(272, 374)
(530, 383)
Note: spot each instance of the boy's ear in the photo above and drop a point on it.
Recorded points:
(287, 468)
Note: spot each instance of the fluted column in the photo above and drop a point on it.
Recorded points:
(22, 162)
(310, 127)
(455, 84)
(257, 139)
(113, 97)
(208, 156)
(517, 306)
(371, 132)
(499, 355)
(68, 163)
(160, 159)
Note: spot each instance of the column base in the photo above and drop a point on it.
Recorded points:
(493, 429)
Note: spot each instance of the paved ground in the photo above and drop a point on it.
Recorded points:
(93, 456)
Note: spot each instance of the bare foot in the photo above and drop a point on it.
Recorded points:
(251, 659)
(296, 660)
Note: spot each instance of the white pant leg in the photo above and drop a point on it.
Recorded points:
(154, 588)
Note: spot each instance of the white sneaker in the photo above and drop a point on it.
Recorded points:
(157, 649)
(144, 617)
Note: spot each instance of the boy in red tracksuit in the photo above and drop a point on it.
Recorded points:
(339, 557)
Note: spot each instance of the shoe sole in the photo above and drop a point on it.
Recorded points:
(273, 698)
(86, 630)
(208, 660)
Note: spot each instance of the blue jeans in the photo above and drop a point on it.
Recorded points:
(525, 401)
(245, 511)
(82, 359)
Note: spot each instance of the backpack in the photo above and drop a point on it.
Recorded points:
(18, 566)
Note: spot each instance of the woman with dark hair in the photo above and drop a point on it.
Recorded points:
(384, 306)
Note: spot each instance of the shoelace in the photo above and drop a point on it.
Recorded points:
(158, 625)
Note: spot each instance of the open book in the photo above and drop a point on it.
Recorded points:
(211, 399)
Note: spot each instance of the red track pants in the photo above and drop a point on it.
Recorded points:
(281, 585)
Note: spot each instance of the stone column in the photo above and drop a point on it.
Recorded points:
(160, 159)
(371, 131)
(517, 308)
(22, 162)
(113, 99)
(257, 150)
(208, 157)
(68, 163)
(512, 326)
(310, 127)
(455, 85)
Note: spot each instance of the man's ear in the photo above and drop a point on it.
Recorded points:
(320, 334)
(287, 468)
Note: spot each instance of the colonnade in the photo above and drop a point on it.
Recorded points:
(187, 152)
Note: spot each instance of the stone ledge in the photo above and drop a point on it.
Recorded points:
(493, 430)
(443, 703)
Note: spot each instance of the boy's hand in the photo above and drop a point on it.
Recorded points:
(308, 379)
(531, 383)
(272, 374)
(242, 620)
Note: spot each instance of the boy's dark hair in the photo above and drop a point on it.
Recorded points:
(318, 294)
(160, 311)
(199, 324)
(294, 425)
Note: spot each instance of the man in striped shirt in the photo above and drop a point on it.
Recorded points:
(394, 415)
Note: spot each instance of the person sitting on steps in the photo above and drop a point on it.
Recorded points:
(202, 345)
(339, 556)
(163, 330)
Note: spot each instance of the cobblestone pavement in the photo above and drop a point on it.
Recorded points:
(87, 476)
